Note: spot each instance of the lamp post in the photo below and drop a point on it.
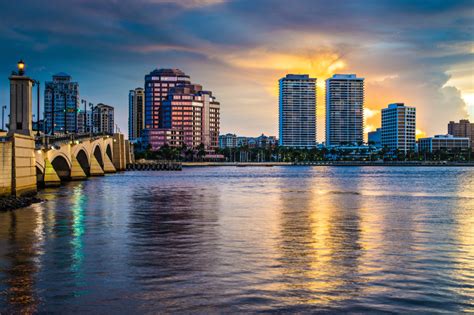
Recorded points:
(4, 107)
(65, 112)
(92, 118)
(50, 90)
(85, 115)
(75, 113)
(37, 83)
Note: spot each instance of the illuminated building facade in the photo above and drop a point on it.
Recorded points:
(344, 110)
(297, 111)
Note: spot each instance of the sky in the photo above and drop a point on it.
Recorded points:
(420, 53)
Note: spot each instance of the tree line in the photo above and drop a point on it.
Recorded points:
(286, 154)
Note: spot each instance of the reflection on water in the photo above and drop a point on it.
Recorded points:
(323, 265)
(244, 240)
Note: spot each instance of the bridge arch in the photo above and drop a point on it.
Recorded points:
(83, 158)
(98, 155)
(62, 167)
(108, 151)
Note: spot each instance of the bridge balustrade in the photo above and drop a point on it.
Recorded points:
(45, 141)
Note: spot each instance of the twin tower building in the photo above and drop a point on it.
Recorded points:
(344, 115)
(344, 110)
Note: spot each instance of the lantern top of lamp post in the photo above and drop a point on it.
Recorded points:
(21, 67)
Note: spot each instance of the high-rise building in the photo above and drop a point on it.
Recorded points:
(399, 127)
(136, 113)
(178, 112)
(375, 138)
(344, 110)
(447, 143)
(157, 84)
(463, 128)
(61, 104)
(195, 112)
(297, 111)
(103, 119)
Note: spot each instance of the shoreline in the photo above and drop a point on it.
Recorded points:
(10, 203)
(328, 163)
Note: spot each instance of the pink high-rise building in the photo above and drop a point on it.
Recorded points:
(179, 113)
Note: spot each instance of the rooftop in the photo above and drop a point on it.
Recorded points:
(297, 76)
(345, 77)
(61, 75)
(168, 72)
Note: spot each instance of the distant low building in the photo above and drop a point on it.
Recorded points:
(242, 141)
(463, 128)
(264, 141)
(447, 143)
(227, 141)
(355, 152)
(156, 138)
(375, 138)
(232, 141)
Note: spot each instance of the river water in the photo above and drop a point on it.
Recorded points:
(269, 239)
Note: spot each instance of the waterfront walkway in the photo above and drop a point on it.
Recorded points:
(329, 163)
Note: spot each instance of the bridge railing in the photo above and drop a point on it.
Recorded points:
(46, 141)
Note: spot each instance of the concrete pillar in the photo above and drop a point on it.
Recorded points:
(108, 165)
(119, 151)
(21, 106)
(23, 165)
(51, 178)
(6, 155)
(132, 152)
(77, 173)
(96, 170)
(127, 153)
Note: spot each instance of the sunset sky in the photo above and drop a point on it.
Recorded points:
(417, 52)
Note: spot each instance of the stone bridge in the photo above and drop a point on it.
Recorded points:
(28, 160)
(75, 157)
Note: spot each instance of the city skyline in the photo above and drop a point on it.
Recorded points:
(397, 60)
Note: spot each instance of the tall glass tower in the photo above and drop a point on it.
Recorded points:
(344, 110)
(61, 104)
(297, 111)
(136, 113)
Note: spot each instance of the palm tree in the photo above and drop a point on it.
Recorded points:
(201, 152)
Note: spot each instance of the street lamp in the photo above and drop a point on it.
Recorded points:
(37, 82)
(21, 67)
(75, 113)
(92, 118)
(65, 112)
(4, 107)
(53, 113)
(85, 115)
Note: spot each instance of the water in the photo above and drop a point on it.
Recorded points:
(281, 239)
